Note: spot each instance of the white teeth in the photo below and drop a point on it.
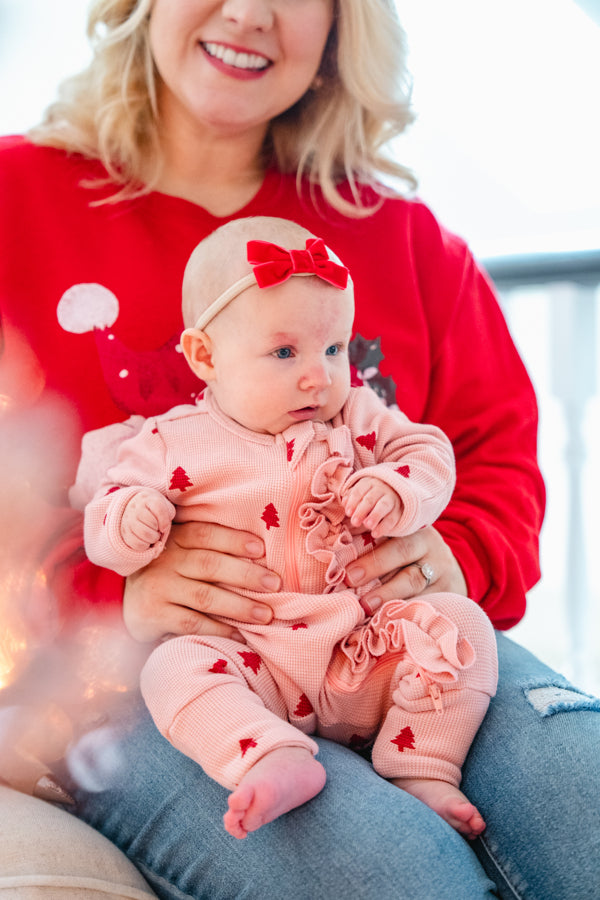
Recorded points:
(239, 60)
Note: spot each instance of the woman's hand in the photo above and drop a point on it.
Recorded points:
(178, 593)
(396, 562)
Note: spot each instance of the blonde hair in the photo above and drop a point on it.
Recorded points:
(338, 130)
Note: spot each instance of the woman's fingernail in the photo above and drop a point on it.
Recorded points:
(374, 603)
(254, 548)
(271, 582)
(237, 636)
(355, 575)
(262, 614)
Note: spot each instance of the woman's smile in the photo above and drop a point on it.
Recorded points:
(234, 61)
(210, 56)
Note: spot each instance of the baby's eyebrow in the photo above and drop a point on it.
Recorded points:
(283, 337)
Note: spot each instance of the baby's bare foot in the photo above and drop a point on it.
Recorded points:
(280, 781)
(447, 801)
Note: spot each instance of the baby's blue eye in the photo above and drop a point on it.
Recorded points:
(283, 353)
(333, 350)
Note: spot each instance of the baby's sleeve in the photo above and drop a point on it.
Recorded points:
(141, 464)
(416, 460)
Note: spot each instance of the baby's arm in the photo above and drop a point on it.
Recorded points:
(415, 460)
(146, 518)
(122, 531)
(374, 504)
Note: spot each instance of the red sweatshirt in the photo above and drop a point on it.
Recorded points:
(90, 315)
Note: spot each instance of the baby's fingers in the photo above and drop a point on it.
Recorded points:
(356, 505)
(367, 502)
(163, 512)
(387, 526)
(376, 518)
(137, 534)
(154, 521)
(140, 536)
(146, 518)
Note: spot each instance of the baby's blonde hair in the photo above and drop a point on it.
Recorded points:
(338, 130)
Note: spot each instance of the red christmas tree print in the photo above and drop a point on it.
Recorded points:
(251, 660)
(179, 480)
(405, 740)
(290, 449)
(246, 743)
(219, 667)
(404, 471)
(367, 538)
(298, 625)
(270, 517)
(358, 742)
(112, 489)
(304, 707)
(367, 440)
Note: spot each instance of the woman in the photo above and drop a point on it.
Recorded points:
(192, 113)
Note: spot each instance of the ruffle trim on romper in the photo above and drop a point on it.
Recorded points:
(329, 539)
(431, 652)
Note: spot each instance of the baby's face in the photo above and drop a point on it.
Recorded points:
(281, 354)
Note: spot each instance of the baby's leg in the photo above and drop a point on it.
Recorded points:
(438, 708)
(447, 801)
(216, 701)
(282, 780)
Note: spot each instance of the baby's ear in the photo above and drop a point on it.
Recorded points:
(197, 349)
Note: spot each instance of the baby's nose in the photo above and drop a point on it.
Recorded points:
(315, 376)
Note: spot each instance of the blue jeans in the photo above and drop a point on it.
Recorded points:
(533, 771)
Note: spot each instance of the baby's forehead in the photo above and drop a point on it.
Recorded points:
(303, 303)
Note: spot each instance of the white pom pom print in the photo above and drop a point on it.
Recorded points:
(84, 307)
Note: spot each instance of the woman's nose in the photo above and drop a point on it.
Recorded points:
(257, 14)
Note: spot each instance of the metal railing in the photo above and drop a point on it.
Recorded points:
(569, 282)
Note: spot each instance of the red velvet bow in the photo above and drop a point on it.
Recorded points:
(273, 265)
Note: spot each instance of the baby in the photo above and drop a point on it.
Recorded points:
(279, 443)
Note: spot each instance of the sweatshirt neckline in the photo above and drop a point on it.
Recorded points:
(180, 205)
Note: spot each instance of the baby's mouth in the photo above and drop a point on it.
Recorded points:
(305, 412)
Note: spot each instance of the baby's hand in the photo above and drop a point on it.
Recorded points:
(372, 503)
(146, 518)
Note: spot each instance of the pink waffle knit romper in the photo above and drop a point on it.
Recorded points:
(415, 679)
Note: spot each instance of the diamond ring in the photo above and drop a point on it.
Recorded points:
(426, 571)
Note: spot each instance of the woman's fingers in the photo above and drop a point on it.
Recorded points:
(182, 589)
(213, 553)
(160, 603)
(210, 535)
(386, 559)
(209, 566)
(394, 563)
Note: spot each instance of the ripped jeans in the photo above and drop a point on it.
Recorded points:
(533, 771)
